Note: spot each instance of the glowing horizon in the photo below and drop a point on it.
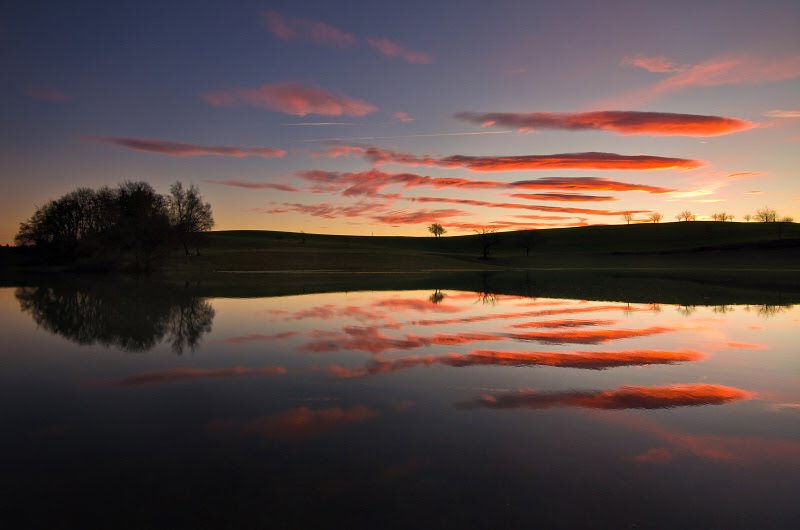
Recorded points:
(323, 121)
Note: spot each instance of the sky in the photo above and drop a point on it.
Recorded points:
(383, 117)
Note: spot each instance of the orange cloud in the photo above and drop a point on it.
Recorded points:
(291, 98)
(236, 183)
(297, 423)
(166, 147)
(624, 397)
(622, 122)
(392, 49)
(523, 314)
(291, 28)
(584, 360)
(180, 375)
(587, 336)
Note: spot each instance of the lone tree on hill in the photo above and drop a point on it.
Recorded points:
(686, 215)
(655, 217)
(436, 229)
(527, 240)
(488, 239)
(747, 217)
(627, 217)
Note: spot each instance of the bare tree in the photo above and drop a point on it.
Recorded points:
(189, 215)
(722, 217)
(766, 215)
(747, 217)
(686, 215)
(527, 241)
(655, 217)
(627, 217)
(436, 229)
(488, 239)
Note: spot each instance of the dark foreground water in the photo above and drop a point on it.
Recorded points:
(140, 407)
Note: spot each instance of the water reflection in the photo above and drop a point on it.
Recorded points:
(131, 316)
(429, 407)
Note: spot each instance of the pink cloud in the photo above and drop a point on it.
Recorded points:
(658, 64)
(390, 48)
(180, 149)
(622, 122)
(725, 70)
(236, 183)
(46, 94)
(291, 98)
(533, 207)
(291, 28)
(329, 211)
(402, 117)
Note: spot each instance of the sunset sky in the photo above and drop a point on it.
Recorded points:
(380, 118)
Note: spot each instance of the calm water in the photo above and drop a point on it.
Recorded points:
(153, 408)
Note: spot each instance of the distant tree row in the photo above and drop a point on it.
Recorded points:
(764, 215)
(130, 219)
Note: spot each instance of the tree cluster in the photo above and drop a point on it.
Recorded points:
(130, 220)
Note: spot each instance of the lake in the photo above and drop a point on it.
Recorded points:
(137, 405)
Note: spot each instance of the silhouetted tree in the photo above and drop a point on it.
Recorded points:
(188, 215)
(488, 239)
(436, 297)
(627, 217)
(436, 229)
(722, 217)
(143, 224)
(527, 240)
(655, 217)
(766, 215)
(686, 215)
(747, 217)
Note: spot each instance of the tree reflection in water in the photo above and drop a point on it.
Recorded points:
(131, 315)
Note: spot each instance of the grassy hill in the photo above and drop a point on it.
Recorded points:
(694, 245)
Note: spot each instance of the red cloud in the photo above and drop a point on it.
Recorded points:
(534, 207)
(585, 360)
(624, 397)
(622, 122)
(46, 94)
(236, 183)
(328, 211)
(291, 98)
(590, 160)
(540, 312)
(582, 183)
(372, 182)
(565, 197)
(180, 375)
(405, 217)
(370, 339)
(658, 64)
(291, 28)
(587, 337)
(298, 423)
(392, 49)
(166, 147)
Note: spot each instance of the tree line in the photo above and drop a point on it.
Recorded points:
(130, 222)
